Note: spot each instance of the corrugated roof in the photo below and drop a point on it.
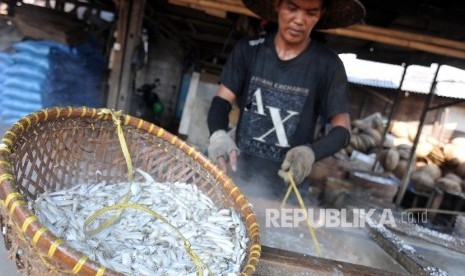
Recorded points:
(372, 73)
(418, 79)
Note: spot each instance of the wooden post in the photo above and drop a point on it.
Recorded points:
(117, 54)
(131, 14)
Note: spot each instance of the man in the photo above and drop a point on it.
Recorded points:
(283, 82)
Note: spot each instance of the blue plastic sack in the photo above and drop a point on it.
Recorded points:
(3, 77)
(31, 59)
(4, 57)
(25, 70)
(74, 77)
(10, 117)
(18, 105)
(22, 95)
(38, 47)
(4, 65)
(9, 121)
(21, 83)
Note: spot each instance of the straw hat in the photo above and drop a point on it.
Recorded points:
(339, 13)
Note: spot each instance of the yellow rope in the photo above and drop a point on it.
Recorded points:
(37, 236)
(286, 197)
(128, 205)
(302, 205)
(27, 222)
(100, 271)
(11, 197)
(116, 115)
(53, 248)
(15, 204)
(78, 266)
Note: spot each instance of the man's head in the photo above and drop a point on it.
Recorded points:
(337, 13)
(296, 19)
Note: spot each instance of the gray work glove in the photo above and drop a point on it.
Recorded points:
(299, 161)
(222, 149)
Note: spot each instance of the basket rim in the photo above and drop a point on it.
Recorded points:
(44, 242)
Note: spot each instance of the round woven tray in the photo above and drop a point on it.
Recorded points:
(57, 148)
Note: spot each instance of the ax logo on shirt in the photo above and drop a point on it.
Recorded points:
(270, 117)
(278, 121)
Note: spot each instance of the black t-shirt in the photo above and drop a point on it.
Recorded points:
(280, 101)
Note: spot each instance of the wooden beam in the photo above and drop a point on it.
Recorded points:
(401, 42)
(410, 36)
(228, 6)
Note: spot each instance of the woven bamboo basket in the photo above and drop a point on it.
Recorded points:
(55, 148)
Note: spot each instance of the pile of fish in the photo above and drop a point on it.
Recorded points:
(138, 243)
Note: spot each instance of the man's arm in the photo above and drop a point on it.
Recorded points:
(221, 144)
(221, 105)
(337, 138)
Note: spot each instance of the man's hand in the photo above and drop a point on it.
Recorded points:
(299, 162)
(222, 149)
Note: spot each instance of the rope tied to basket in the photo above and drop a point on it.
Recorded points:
(125, 204)
(293, 186)
(115, 115)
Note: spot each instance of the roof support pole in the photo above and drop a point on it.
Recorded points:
(394, 106)
(406, 178)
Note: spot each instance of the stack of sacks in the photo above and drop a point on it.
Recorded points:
(75, 76)
(40, 74)
(25, 75)
(5, 61)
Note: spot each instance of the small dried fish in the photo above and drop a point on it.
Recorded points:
(139, 244)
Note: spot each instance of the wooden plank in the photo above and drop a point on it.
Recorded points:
(277, 262)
